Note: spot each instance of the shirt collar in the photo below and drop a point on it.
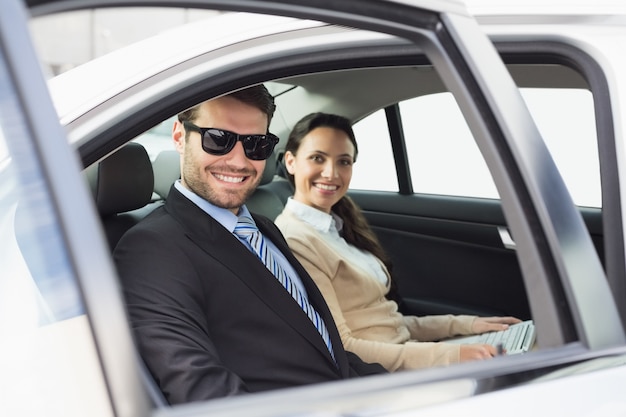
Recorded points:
(318, 219)
(223, 216)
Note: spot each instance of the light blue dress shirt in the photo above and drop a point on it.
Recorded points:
(228, 220)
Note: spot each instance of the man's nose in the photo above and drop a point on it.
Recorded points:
(237, 155)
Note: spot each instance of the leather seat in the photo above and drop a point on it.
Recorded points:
(166, 168)
(264, 200)
(122, 185)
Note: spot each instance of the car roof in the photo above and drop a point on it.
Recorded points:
(74, 92)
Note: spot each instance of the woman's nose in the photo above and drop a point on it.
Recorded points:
(329, 170)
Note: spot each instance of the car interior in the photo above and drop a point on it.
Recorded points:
(435, 228)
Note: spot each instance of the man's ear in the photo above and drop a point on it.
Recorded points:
(178, 136)
(290, 162)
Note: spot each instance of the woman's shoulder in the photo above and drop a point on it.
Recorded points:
(291, 225)
(285, 218)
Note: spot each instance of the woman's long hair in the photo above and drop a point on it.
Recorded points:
(356, 229)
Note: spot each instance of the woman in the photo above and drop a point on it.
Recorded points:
(332, 239)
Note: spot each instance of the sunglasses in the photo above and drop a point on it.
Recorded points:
(220, 142)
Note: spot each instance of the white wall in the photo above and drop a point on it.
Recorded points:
(69, 39)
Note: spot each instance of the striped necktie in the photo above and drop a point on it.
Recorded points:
(246, 229)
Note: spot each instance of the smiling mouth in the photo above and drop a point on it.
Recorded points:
(327, 187)
(228, 178)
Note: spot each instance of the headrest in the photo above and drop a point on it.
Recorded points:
(270, 169)
(123, 181)
(166, 171)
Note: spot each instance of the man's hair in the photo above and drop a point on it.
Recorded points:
(257, 96)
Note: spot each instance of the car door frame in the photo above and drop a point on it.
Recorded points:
(74, 210)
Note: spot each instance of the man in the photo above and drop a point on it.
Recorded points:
(211, 319)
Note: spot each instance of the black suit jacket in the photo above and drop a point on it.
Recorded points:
(210, 320)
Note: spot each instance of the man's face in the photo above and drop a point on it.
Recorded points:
(224, 180)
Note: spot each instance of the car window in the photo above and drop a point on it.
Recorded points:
(566, 119)
(445, 160)
(157, 139)
(375, 168)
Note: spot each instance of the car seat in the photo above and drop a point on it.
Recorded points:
(264, 200)
(122, 185)
(166, 168)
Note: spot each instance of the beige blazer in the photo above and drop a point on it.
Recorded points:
(368, 323)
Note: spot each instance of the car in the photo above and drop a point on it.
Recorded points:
(490, 166)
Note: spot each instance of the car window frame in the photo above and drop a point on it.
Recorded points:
(74, 213)
(528, 149)
(581, 61)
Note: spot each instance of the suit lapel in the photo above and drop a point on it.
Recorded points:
(316, 299)
(226, 249)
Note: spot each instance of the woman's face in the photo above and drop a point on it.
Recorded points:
(322, 167)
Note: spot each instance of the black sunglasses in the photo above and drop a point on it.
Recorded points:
(220, 142)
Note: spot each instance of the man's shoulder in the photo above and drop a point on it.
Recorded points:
(158, 216)
(159, 222)
(169, 214)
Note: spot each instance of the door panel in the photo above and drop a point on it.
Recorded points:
(448, 257)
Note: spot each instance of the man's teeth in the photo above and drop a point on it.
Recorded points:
(229, 179)
(326, 187)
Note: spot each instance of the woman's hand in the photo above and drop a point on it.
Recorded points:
(492, 324)
(483, 325)
(477, 352)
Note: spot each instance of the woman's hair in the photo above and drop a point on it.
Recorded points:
(356, 229)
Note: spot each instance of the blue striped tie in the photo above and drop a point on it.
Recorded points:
(246, 229)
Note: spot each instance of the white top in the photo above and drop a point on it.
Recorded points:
(330, 226)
